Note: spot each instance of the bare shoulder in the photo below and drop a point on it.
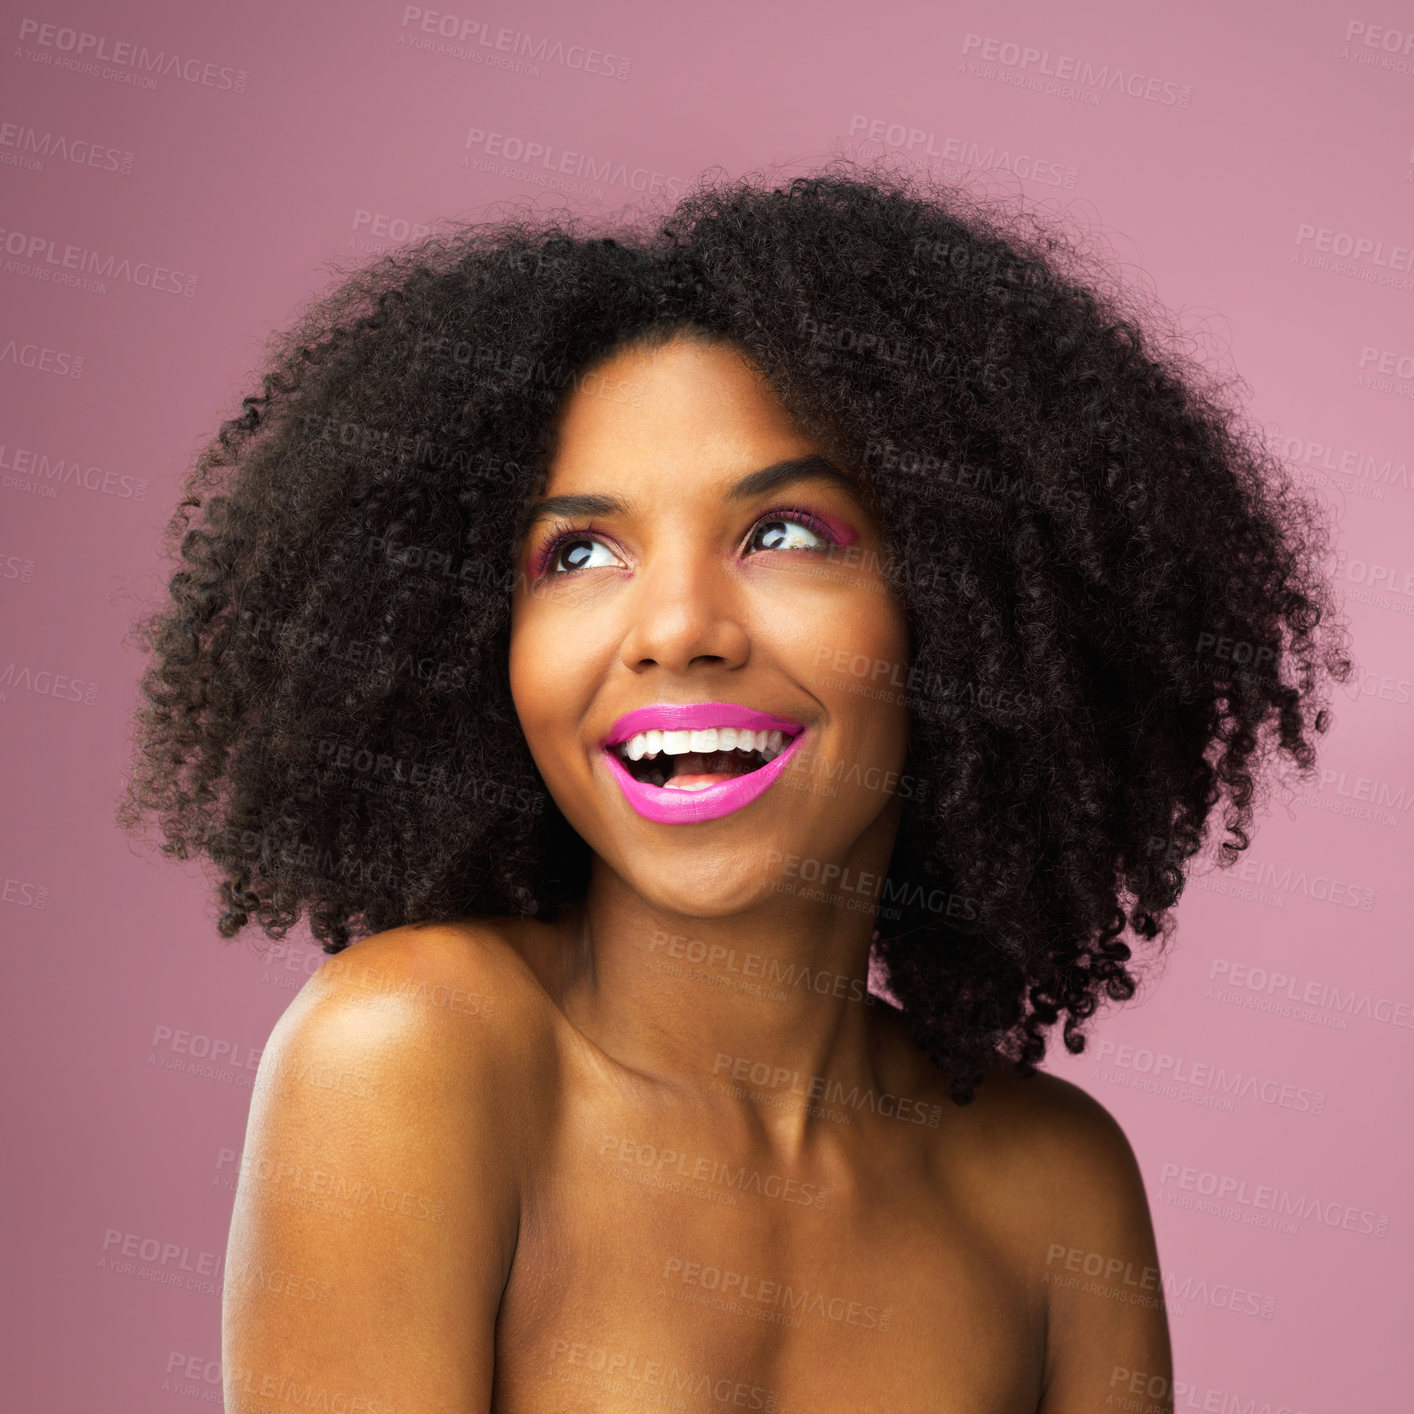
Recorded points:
(1052, 1128)
(1077, 1215)
(1061, 1161)
(446, 974)
(452, 1003)
(390, 1144)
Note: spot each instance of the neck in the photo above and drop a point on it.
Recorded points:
(764, 1011)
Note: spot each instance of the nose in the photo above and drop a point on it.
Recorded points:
(684, 610)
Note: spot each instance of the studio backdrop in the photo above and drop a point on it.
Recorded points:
(178, 182)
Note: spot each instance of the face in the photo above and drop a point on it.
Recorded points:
(687, 596)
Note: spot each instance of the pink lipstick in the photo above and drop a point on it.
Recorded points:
(694, 801)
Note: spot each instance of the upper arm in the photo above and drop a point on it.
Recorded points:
(1107, 1334)
(378, 1203)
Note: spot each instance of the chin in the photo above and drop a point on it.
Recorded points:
(703, 886)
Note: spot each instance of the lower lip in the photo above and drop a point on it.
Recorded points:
(665, 806)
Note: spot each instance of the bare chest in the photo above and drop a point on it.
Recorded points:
(661, 1266)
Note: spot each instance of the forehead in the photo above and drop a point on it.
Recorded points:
(686, 406)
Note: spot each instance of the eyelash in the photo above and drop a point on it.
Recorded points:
(565, 533)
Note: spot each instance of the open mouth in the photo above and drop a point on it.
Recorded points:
(698, 760)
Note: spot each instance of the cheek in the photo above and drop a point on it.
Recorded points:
(889, 628)
(873, 626)
(864, 679)
(530, 680)
(552, 669)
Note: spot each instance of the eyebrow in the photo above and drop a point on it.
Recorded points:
(756, 483)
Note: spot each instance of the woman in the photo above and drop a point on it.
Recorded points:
(638, 641)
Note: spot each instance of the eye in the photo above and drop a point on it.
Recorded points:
(783, 528)
(580, 547)
(574, 548)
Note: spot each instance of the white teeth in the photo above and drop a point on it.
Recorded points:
(650, 743)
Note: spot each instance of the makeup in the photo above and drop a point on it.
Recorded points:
(698, 735)
(833, 533)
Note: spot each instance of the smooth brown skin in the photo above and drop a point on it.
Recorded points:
(555, 1088)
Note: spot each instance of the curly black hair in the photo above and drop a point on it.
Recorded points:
(1112, 587)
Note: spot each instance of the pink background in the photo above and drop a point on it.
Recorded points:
(290, 136)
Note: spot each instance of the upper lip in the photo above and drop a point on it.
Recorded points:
(697, 716)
